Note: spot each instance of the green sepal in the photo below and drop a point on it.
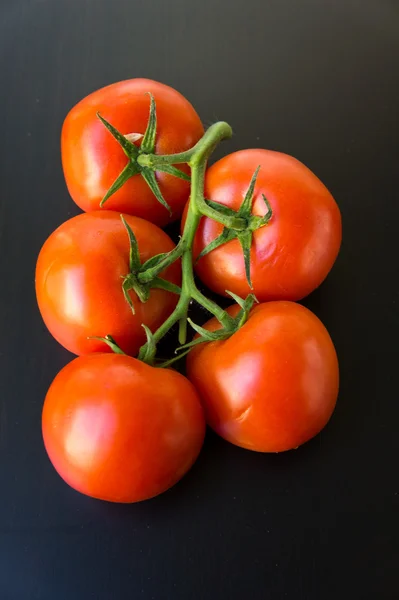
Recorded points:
(256, 222)
(245, 239)
(128, 147)
(246, 206)
(224, 210)
(109, 340)
(153, 261)
(148, 141)
(134, 254)
(164, 364)
(240, 301)
(246, 307)
(126, 287)
(149, 349)
(207, 335)
(150, 179)
(199, 340)
(226, 236)
(129, 171)
(171, 170)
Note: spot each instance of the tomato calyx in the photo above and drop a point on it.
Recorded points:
(225, 332)
(134, 152)
(131, 280)
(148, 351)
(245, 235)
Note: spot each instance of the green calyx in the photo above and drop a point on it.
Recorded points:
(133, 153)
(148, 351)
(131, 280)
(225, 332)
(244, 234)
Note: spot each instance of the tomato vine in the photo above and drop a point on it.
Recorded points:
(237, 224)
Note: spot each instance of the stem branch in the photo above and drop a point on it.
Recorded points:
(197, 159)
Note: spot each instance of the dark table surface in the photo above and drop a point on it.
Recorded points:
(316, 79)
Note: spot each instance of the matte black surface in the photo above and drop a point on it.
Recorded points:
(316, 79)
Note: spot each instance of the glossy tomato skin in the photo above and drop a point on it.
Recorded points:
(79, 282)
(290, 256)
(92, 159)
(273, 385)
(119, 430)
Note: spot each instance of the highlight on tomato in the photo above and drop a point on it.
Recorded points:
(117, 429)
(290, 255)
(96, 158)
(85, 286)
(273, 384)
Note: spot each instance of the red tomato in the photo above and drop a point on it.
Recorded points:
(273, 384)
(92, 159)
(119, 430)
(79, 282)
(290, 256)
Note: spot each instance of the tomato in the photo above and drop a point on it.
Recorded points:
(92, 159)
(293, 253)
(119, 430)
(273, 384)
(79, 282)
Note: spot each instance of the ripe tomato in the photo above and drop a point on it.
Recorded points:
(119, 430)
(290, 256)
(273, 384)
(92, 159)
(79, 282)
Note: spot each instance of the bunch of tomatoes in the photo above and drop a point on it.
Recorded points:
(257, 226)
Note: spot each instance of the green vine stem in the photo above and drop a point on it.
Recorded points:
(197, 159)
(196, 155)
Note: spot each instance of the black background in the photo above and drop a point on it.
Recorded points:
(316, 79)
